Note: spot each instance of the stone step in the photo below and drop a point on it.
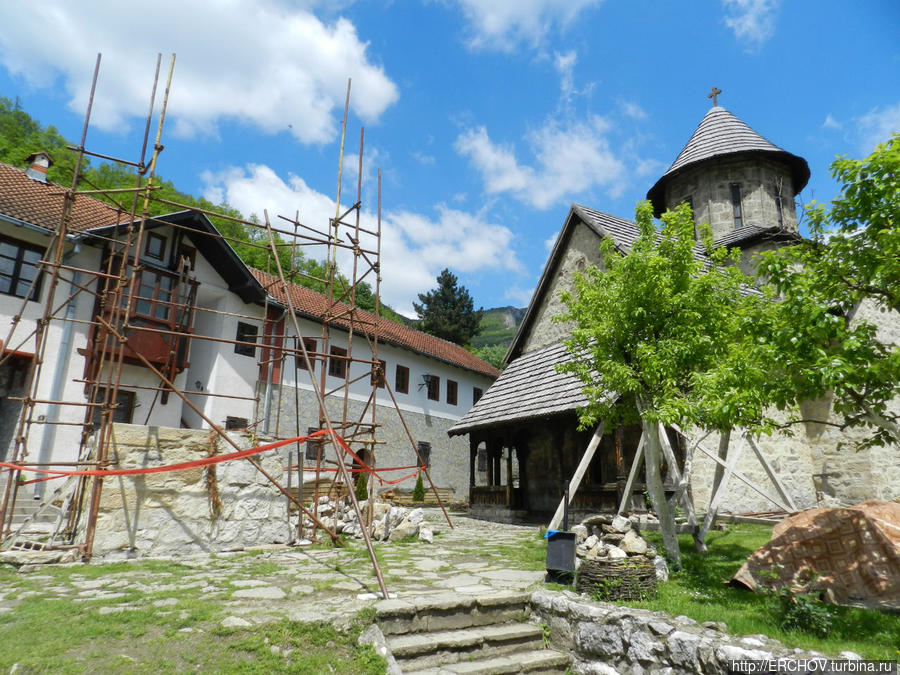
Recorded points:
(449, 611)
(422, 650)
(532, 661)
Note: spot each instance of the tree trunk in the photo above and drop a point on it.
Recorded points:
(655, 490)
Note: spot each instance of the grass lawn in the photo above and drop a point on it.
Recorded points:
(700, 592)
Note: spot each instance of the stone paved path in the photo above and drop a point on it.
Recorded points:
(311, 583)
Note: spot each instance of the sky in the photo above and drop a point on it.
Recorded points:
(487, 118)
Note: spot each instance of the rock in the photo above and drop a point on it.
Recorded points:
(613, 537)
(403, 530)
(426, 535)
(416, 516)
(615, 553)
(324, 499)
(633, 543)
(235, 622)
(598, 519)
(591, 541)
(621, 524)
(849, 656)
(598, 640)
(580, 532)
(683, 649)
(662, 568)
(719, 626)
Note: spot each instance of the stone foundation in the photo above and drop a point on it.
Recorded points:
(172, 513)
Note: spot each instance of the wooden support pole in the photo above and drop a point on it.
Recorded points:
(733, 455)
(681, 492)
(656, 492)
(635, 467)
(577, 476)
(771, 473)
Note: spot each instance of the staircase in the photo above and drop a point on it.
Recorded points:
(455, 633)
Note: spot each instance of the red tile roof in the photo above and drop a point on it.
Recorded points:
(312, 304)
(41, 204)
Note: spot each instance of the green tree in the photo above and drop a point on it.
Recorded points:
(815, 342)
(493, 354)
(448, 311)
(418, 494)
(650, 328)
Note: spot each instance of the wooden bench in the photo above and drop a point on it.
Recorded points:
(404, 497)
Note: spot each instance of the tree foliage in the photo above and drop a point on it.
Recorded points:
(649, 329)
(448, 311)
(815, 342)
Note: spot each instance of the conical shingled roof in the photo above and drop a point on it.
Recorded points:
(720, 134)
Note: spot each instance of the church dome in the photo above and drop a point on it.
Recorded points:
(722, 135)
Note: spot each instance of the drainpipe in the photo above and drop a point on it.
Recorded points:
(270, 372)
(59, 372)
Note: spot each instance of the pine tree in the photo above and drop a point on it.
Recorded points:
(362, 487)
(448, 311)
(418, 494)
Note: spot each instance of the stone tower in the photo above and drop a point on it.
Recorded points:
(737, 181)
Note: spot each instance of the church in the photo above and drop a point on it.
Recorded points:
(523, 433)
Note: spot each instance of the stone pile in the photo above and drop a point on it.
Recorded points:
(611, 538)
(389, 522)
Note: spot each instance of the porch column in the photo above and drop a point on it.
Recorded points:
(473, 451)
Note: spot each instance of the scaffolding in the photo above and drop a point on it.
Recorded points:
(118, 337)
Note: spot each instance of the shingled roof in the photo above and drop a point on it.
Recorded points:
(721, 134)
(311, 304)
(748, 234)
(41, 204)
(529, 388)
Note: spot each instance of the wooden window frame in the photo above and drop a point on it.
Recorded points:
(18, 263)
(737, 205)
(401, 379)
(452, 392)
(311, 345)
(126, 402)
(424, 448)
(379, 381)
(433, 388)
(242, 334)
(153, 237)
(337, 367)
(477, 393)
(149, 298)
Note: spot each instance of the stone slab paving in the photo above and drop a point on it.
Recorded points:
(305, 583)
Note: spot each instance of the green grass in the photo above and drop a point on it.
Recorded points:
(700, 591)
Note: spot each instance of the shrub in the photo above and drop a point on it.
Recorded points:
(418, 494)
(362, 487)
(804, 612)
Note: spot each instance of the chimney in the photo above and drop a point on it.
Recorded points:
(38, 163)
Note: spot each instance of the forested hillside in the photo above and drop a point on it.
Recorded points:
(21, 135)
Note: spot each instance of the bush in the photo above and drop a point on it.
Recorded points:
(804, 612)
(362, 487)
(418, 494)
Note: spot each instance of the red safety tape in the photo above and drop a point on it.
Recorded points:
(206, 461)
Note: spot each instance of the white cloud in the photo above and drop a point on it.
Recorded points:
(502, 25)
(415, 247)
(877, 125)
(520, 296)
(565, 65)
(753, 21)
(830, 122)
(268, 63)
(550, 241)
(569, 158)
(632, 110)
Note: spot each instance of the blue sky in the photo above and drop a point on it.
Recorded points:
(488, 118)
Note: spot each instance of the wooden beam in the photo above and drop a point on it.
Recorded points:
(635, 467)
(681, 492)
(733, 455)
(771, 473)
(577, 476)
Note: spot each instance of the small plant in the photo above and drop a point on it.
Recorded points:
(362, 487)
(545, 634)
(804, 612)
(418, 494)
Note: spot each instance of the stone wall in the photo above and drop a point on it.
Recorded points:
(449, 465)
(709, 189)
(607, 639)
(171, 513)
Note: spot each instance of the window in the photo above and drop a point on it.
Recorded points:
(154, 295)
(736, 205)
(310, 345)
(235, 422)
(401, 380)
(377, 377)
(156, 246)
(482, 460)
(18, 268)
(124, 407)
(477, 393)
(452, 389)
(312, 444)
(425, 453)
(246, 332)
(434, 387)
(778, 209)
(337, 367)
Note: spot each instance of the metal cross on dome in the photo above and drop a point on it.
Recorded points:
(714, 95)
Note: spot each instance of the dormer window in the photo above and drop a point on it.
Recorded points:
(736, 205)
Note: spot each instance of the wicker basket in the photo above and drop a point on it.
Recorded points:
(629, 579)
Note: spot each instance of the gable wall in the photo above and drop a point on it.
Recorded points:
(582, 249)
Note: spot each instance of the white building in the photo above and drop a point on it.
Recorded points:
(188, 281)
